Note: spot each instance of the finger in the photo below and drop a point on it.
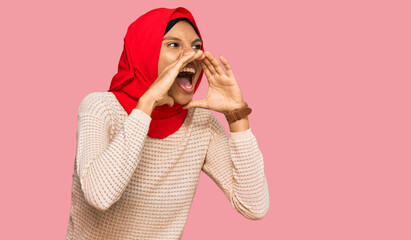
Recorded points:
(169, 69)
(209, 66)
(206, 71)
(172, 71)
(227, 66)
(197, 103)
(216, 64)
(184, 58)
(191, 56)
(201, 57)
(199, 60)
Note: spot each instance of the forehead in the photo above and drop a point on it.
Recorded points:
(182, 28)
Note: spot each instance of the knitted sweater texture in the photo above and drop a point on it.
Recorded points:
(127, 185)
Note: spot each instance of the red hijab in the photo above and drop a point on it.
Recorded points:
(138, 68)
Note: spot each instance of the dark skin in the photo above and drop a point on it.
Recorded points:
(181, 45)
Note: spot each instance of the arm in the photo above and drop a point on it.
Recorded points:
(236, 166)
(106, 166)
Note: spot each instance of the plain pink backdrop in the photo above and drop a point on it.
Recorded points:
(329, 83)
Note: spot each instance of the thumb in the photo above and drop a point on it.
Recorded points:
(197, 103)
(170, 101)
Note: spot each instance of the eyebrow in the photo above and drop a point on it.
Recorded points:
(177, 39)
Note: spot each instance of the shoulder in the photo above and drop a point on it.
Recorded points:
(92, 102)
(95, 104)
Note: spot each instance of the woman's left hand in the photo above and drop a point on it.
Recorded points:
(224, 94)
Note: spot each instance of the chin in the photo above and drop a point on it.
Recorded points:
(179, 95)
(183, 100)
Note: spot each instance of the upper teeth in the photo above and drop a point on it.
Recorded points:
(188, 69)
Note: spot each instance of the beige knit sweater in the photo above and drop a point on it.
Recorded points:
(127, 185)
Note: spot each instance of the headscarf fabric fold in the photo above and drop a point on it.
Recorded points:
(138, 68)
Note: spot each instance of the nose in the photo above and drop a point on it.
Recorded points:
(189, 50)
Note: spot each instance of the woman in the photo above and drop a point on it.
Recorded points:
(142, 145)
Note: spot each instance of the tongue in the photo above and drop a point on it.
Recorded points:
(184, 81)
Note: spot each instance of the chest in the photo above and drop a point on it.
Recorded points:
(169, 170)
(172, 162)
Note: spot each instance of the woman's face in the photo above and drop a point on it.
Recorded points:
(181, 37)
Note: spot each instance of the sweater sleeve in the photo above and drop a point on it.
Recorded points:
(236, 166)
(105, 165)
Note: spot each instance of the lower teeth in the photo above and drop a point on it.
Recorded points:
(185, 82)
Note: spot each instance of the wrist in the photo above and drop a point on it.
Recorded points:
(239, 125)
(146, 104)
(236, 106)
(238, 113)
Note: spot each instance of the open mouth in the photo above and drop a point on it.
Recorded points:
(185, 79)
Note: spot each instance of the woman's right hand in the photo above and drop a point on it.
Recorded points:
(157, 93)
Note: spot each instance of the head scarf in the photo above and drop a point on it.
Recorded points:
(138, 68)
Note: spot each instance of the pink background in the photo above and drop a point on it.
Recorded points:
(329, 83)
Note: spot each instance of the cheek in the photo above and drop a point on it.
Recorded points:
(166, 58)
(173, 89)
(198, 73)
